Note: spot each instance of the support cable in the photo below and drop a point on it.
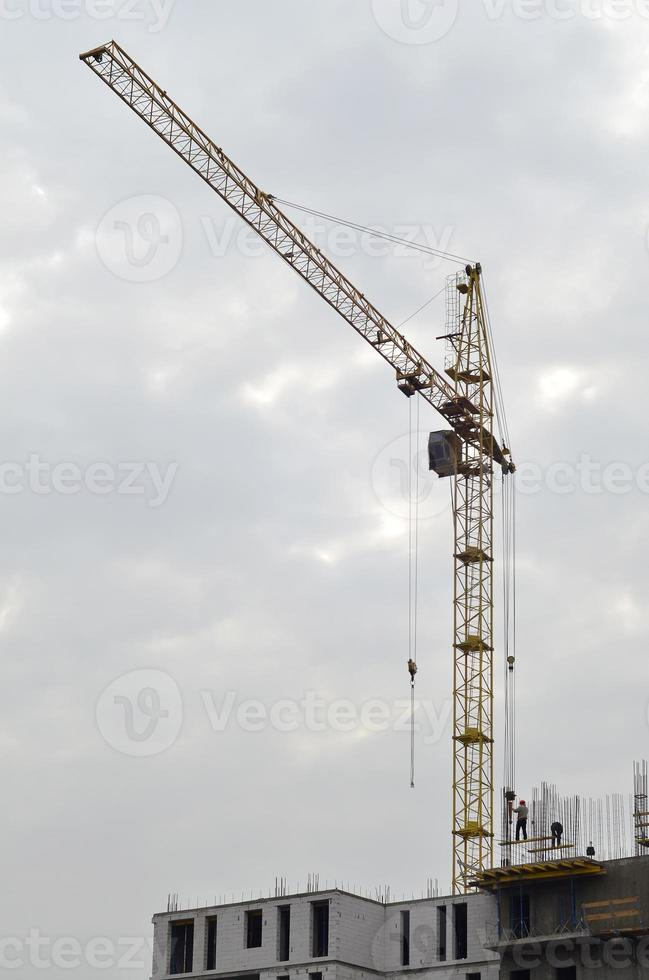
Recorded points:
(375, 232)
(421, 308)
(501, 416)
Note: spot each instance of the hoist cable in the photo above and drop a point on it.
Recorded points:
(508, 509)
(410, 656)
(413, 567)
(411, 625)
(416, 569)
(514, 638)
(412, 734)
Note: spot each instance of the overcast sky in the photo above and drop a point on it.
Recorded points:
(201, 477)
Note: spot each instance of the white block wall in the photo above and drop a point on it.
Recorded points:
(364, 939)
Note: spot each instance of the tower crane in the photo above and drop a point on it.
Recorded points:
(466, 451)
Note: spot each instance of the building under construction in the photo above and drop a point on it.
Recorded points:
(566, 894)
(546, 911)
(567, 920)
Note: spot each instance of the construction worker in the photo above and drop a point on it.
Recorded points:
(557, 833)
(521, 812)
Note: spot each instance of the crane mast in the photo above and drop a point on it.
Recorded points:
(466, 452)
(473, 790)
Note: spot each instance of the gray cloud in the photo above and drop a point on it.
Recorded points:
(272, 568)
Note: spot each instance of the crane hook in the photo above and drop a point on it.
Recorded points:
(412, 670)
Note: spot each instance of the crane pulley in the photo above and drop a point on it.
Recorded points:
(466, 451)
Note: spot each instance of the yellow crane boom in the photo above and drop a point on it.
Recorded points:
(466, 452)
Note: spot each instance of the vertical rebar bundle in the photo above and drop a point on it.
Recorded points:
(641, 806)
(603, 829)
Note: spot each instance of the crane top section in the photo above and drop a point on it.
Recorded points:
(414, 374)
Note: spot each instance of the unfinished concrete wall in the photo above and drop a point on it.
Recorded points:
(562, 935)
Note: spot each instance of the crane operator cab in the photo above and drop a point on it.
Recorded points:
(444, 452)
